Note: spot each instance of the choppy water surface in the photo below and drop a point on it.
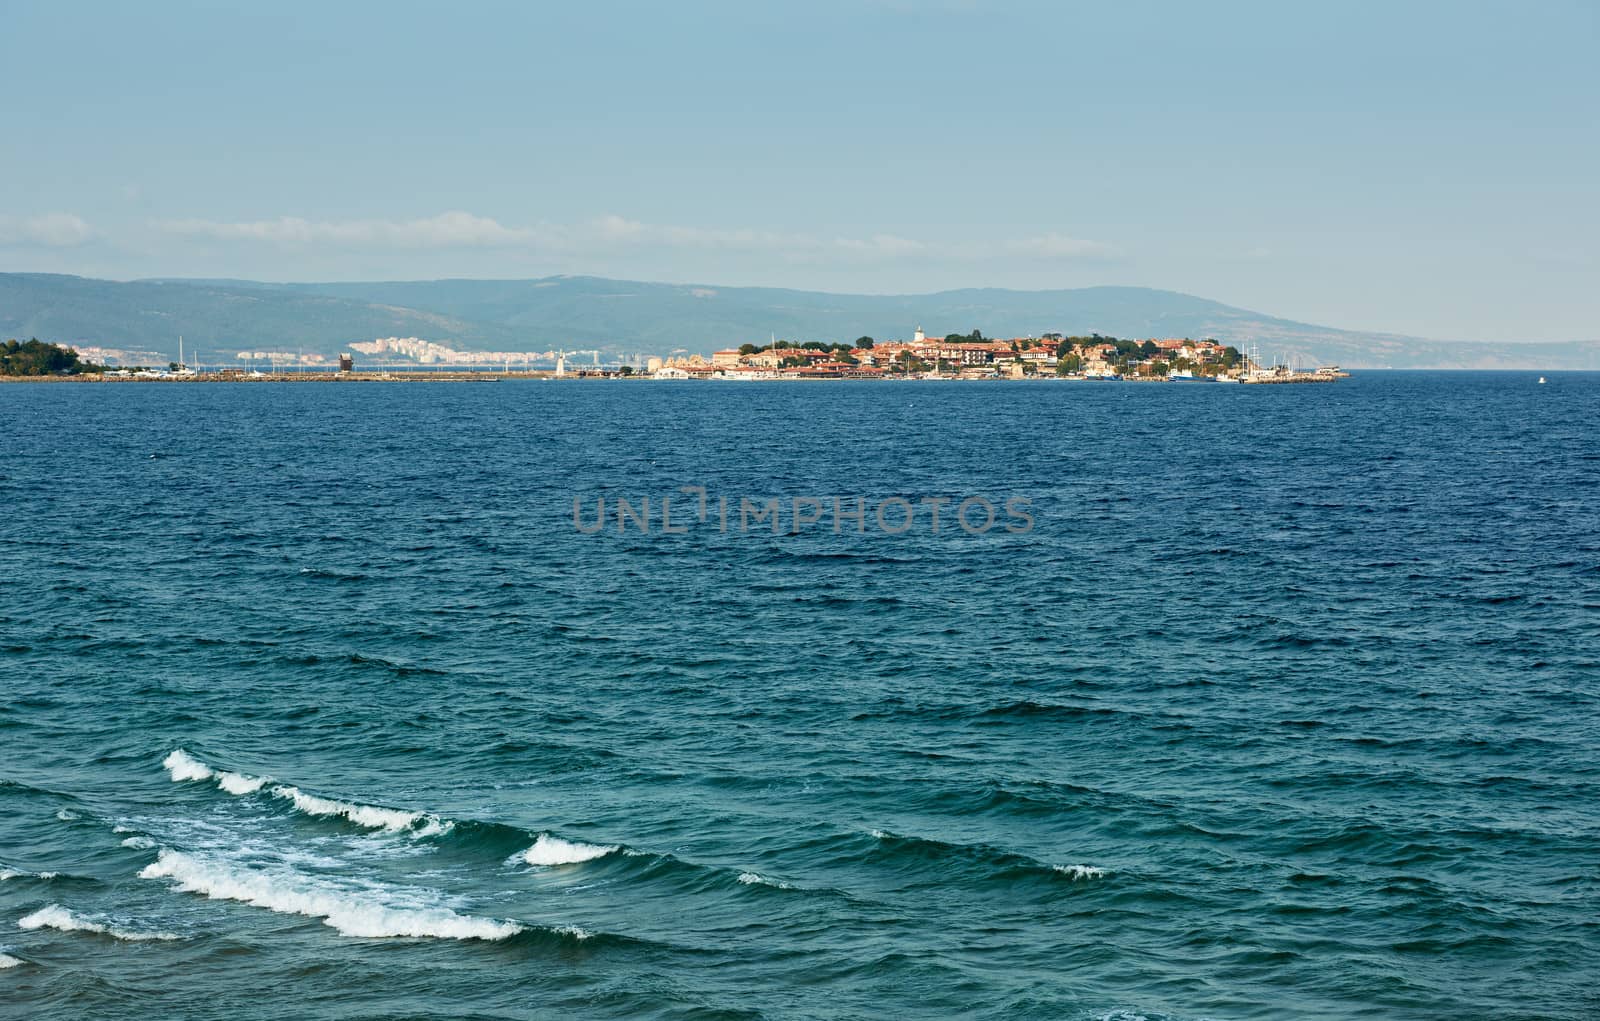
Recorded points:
(313, 702)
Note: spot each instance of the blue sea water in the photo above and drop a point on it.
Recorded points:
(314, 702)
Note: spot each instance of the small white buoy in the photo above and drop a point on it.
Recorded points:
(1541, 379)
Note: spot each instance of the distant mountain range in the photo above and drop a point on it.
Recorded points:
(628, 317)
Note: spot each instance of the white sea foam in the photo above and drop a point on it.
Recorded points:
(7, 961)
(184, 766)
(368, 912)
(54, 916)
(1080, 871)
(423, 824)
(7, 872)
(66, 814)
(757, 879)
(239, 783)
(139, 842)
(548, 850)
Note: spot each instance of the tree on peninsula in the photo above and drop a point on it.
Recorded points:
(36, 358)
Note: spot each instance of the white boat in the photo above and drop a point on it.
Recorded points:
(1541, 379)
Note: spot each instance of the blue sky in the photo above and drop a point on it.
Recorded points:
(1424, 168)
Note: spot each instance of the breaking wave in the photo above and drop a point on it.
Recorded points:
(984, 861)
(7, 961)
(548, 850)
(54, 916)
(368, 912)
(184, 766)
(421, 824)
(238, 783)
(757, 879)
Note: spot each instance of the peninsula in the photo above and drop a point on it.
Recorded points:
(974, 356)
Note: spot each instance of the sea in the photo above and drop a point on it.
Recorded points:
(1250, 702)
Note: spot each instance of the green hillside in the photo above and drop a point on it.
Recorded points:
(150, 315)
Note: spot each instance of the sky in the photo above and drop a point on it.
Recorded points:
(1408, 167)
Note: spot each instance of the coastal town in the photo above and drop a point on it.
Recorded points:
(973, 356)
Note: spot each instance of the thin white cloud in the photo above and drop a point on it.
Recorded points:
(1058, 246)
(52, 230)
(447, 230)
(616, 230)
(611, 234)
(882, 245)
